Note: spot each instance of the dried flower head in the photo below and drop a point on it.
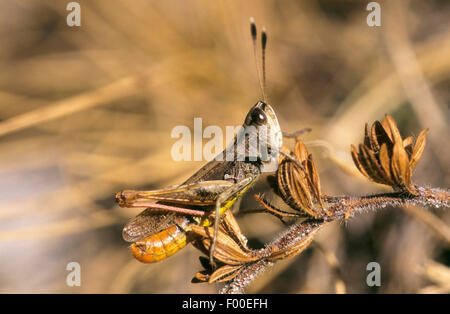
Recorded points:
(299, 182)
(231, 253)
(234, 259)
(386, 158)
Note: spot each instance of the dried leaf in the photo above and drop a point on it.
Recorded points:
(407, 141)
(418, 149)
(231, 228)
(408, 181)
(300, 151)
(381, 135)
(395, 133)
(368, 164)
(357, 162)
(373, 138)
(407, 144)
(367, 136)
(302, 235)
(283, 180)
(227, 250)
(230, 252)
(379, 175)
(302, 190)
(298, 247)
(387, 129)
(385, 162)
(201, 276)
(294, 187)
(315, 180)
(225, 273)
(400, 166)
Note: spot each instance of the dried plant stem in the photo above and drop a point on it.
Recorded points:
(242, 280)
(298, 236)
(288, 244)
(412, 78)
(426, 197)
(103, 95)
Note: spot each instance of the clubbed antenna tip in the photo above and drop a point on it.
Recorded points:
(263, 38)
(263, 46)
(261, 78)
(253, 28)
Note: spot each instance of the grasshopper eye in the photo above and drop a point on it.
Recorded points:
(256, 116)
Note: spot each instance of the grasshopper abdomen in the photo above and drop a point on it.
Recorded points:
(161, 245)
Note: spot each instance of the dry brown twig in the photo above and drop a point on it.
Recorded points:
(384, 157)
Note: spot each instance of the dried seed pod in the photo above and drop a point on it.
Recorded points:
(386, 158)
(299, 182)
(231, 251)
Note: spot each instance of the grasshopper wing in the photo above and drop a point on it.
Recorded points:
(149, 222)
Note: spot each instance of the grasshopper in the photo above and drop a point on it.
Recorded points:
(163, 227)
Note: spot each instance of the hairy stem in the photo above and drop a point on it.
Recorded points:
(297, 237)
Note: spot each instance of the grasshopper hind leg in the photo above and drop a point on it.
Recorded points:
(223, 198)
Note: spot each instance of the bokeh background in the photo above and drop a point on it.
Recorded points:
(88, 111)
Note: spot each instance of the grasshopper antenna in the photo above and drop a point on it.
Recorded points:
(254, 34)
(263, 48)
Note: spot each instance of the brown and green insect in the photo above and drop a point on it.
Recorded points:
(163, 228)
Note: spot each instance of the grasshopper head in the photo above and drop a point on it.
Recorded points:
(263, 120)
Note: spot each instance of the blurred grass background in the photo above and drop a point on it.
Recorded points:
(87, 111)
